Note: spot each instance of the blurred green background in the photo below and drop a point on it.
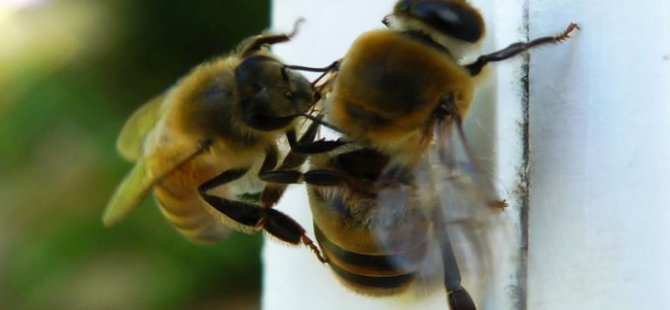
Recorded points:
(71, 72)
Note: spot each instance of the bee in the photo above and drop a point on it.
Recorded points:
(204, 145)
(400, 96)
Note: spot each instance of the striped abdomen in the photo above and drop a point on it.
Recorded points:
(190, 218)
(375, 247)
(182, 205)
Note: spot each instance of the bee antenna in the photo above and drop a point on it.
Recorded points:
(284, 73)
(333, 66)
(261, 40)
(296, 26)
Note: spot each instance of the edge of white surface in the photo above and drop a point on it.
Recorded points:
(600, 114)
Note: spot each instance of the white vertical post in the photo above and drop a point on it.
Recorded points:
(293, 278)
(600, 168)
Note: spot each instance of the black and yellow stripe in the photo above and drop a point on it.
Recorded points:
(372, 274)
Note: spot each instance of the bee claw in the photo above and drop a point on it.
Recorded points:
(499, 204)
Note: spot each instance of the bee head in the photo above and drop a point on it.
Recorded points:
(454, 24)
(270, 95)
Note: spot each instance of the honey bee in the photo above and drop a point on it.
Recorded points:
(400, 96)
(204, 145)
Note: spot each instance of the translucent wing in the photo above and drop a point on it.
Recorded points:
(138, 183)
(451, 156)
(137, 127)
(129, 194)
(468, 201)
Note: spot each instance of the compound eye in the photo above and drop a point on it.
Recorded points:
(256, 72)
(454, 18)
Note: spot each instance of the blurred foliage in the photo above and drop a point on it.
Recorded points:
(71, 72)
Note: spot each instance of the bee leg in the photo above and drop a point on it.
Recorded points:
(294, 158)
(276, 179)
(458, 297)
(288, 230)
(272, 193)
(222, 178)
(273, 221)
(276, 223)
(282, 176)
(244, 213)
(325, 177)
(320, 177)
(241, 212)
(312, 147)
(286, 174)
(517, 48)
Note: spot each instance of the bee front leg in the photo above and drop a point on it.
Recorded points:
(287, 173)
(277, 179)
(517, 48)
(312, 147)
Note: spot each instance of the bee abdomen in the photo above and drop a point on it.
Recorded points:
(369, 273)
(192, 220)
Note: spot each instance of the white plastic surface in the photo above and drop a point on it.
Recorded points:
(293, 278)
(600, 150)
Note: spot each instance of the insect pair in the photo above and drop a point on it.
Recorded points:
(219, 148)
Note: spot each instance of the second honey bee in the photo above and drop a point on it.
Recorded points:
(204, 145)
(400, 95)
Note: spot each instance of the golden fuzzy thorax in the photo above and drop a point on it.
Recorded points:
(388, 87)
